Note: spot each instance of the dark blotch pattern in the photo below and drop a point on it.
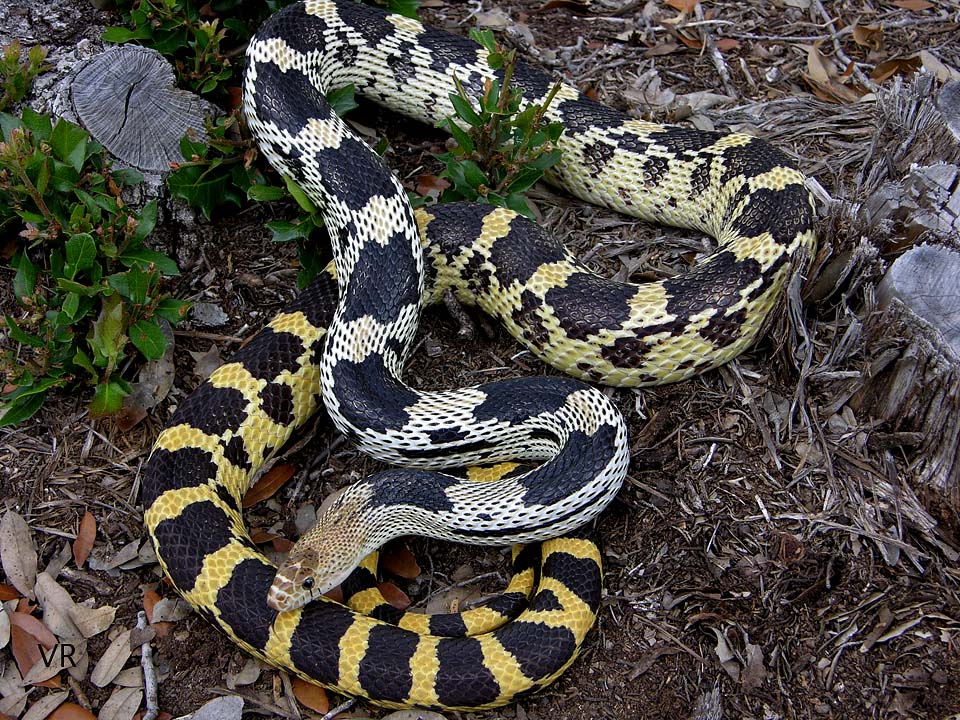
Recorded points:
(385, 669)
(315, 644)
(539, 649)
(277, 402)
(580, 460)
(447, 625)
(270, 353)
(581, 575)
(510, 605)
(212, 410)
(589, 304)
(517, 262)
(463, 679)
(625, 352)
(184, 541)
(715, 284)
(529, 320)
(515, 400)
(784, 213)
(369, 397)
(367, 292)
(596, 155)
(187, 467)
(420, 488)
(242, 602)
(236, 453)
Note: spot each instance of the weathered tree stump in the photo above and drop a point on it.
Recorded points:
(127, 98)
(917, 389)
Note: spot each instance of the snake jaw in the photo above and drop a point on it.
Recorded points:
(296, 582)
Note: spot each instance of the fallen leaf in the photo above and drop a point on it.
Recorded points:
(915, 5)
(580, 7)
(869, 36)
(229, 707)
(34, 628)
(150, 598)
(400, 562)
(122, 704)
(72, 711)
(248, 675)
(92, 621)
(26, 652)
(18, 554)
(726, 657)
(272, 481)
(57, 604)
(754, 673)
(895, 66)
(684, 6)
(394, 595)
(8, 592)
(726, 44)
(933, 65)
(112, 661)
(413, 715)
(311, 696)
(43, 707)
(4, 628)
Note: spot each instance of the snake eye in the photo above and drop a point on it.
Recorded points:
(308, 583)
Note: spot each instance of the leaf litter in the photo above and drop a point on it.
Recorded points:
(769, 553)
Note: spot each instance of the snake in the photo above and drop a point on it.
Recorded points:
(343, 343)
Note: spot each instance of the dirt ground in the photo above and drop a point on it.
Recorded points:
(769, 544)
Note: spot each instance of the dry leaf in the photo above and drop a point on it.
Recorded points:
(247, 675)
(394, 595)
(726, 44)
(113, 660)
(933, 65)
(413, 715)
(71, 711)
(311, 696)
(92, 621)
(18, 553)
(754, 673)
(824, 79)
(580, 7)
(8, 592)
(34, 628)
(57, 604)
(122, 704)
(915, 5)
(130, 677)
(726, 657)
(43, 707)
(26, 651)
(4, 628)
(889, 68)
(684, 6)
(86, 534)
(869, 36)
(272, 481)
(400, 562)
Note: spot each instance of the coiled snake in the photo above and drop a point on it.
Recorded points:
(734, 187)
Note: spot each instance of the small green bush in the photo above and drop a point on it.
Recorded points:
(86, 285)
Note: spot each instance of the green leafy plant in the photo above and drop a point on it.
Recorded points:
(17, 73)
(502, 147)
(85, 285)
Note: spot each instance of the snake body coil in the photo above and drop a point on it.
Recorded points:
(734, 187)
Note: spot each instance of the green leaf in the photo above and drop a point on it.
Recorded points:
(81, 253)
(465, 110)
(122, 35)
(71, 303)
(144, 256)
(79, 288)
(305, 203)
(81, 359)
(19, 335)
(146, 222)
(285, 231)
(266, 193)
(201, 187)
(37, 123)
(14, 412)
(342, 99)
(148, 338)
(172, 310)
(69, 144)
(519, 204)
(464, 142)
(8, 123)
(108, 398)
(108, 338)
(25, 280)
(404, 7)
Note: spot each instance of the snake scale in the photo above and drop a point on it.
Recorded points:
(345, 339)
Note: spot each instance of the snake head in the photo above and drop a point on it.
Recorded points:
(296, 582)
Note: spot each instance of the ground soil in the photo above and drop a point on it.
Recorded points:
(750, 551)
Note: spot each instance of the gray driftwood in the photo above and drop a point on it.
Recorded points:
(127, 98)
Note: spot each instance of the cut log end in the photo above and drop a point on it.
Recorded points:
(127, 98)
